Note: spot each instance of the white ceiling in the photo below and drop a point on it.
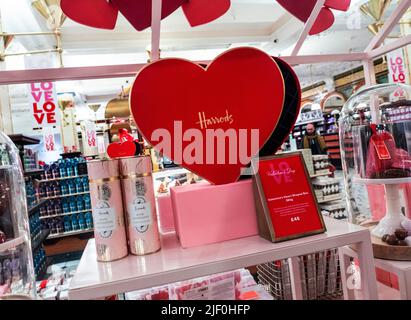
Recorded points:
(261, 23)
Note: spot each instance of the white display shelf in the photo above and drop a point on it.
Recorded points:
(64, 214)
(63, 178)
(169, 172)
(173, 263)
(330, 198)
(69, 233)
(382, 181)
(65, 195)
(320, 174)
(12, 244)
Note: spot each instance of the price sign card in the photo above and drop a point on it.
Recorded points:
(285, 200)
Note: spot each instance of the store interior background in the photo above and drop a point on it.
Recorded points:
(263, 24)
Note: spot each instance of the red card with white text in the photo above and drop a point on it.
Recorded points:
(285, 200)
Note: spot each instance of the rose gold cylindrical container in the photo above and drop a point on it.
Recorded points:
(107, 206)
(139, 204)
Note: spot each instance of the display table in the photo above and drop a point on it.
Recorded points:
(173, 263)
(401, 268)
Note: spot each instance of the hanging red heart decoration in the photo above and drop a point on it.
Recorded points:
(200, 12)
(93, 13)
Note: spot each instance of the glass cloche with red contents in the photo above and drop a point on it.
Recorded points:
(16, 263)
(375, 136)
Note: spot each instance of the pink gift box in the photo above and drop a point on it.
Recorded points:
(205, 213)
(165, 213)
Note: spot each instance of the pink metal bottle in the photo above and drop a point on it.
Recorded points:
(107, 205)
(139, 204)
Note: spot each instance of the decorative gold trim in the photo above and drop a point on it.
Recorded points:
(99, 181)
(136, 175)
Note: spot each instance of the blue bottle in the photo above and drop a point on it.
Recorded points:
(75, 162)
(71, 186)
(86, 186)
(62, 168)
(64, 188)
(81, 221)
(69, 168)
(65, 205)
(79, 185)
(80, 203)
(67, 224)
(73, 204)
(74, 222)
(87, 202)
(89, 220)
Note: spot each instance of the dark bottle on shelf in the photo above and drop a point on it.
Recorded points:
(56, 189)
(58, 207)
(43, 211)
(50, 208)
(55, 171)
(82, 167)
(67, 224)
(65, 205)
(42, 191)
(49, 190)
(74, 222)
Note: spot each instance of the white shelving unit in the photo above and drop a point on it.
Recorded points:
(173, 263)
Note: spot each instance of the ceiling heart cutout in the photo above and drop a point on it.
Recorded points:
(93, 13)
(138, 13)
(302, 11)
(200, 12)
(103, 14)
(176, 103)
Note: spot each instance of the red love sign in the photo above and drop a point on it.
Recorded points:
(188, 112)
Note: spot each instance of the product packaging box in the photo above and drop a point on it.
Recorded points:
(165, 213)
(205, 213)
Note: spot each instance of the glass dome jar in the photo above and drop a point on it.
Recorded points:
(375, 137)
(16, 263)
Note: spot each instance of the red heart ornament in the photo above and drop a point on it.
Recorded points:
(92, 13)
(138, 12)
(342, 5)
(123, 149)
(200, 12)
(302, 10)
(177, 105)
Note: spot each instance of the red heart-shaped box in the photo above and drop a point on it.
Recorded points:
(123, 149)
(240, 91)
